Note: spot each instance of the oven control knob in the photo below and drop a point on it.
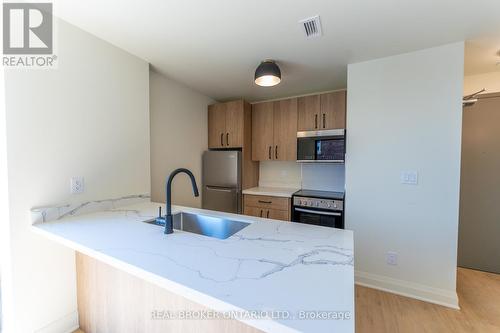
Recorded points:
(317, 204)
(329, 205)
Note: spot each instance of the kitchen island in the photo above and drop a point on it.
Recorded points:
(271, 276)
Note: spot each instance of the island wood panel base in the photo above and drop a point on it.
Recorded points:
(110, 300)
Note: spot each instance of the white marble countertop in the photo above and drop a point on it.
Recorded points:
(269, 265)
(272, 191)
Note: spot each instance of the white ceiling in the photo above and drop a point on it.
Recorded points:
(214, 46)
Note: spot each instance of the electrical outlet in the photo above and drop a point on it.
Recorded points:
(409, 177)
(77, 185)
(391, 258)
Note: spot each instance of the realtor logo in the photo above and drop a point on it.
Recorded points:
(28, 30)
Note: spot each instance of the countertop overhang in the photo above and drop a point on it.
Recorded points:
(305, 271)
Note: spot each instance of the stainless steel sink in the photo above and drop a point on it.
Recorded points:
(204, 225)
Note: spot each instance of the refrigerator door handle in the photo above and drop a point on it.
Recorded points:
(220, 189)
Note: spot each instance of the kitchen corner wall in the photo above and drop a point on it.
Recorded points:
(178, 137)
(405, 113)
(315, 176)
(89, 117)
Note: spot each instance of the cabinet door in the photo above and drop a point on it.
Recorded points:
(216, 125)
(277, 214)
(333, 109)
(262, 131)
(308, 113)
(285, 130)
(233, 138)
(254, 211)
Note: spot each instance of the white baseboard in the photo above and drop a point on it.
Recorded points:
(408, 289)
(66, 324)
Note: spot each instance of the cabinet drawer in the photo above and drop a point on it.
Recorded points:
(276, 214)
(264, 201)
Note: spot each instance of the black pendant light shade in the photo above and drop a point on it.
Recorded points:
(268, 74)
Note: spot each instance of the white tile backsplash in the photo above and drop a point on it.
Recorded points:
(280, 174)
(314, 176)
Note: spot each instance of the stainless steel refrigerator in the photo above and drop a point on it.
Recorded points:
(221, 179)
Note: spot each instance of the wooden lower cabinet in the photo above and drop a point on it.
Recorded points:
(254, 211)
(278, 214)
(277, 208)
(111, 300)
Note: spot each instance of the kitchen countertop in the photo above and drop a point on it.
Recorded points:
(272, 191)
(269, 265)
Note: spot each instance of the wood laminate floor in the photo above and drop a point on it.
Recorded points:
(478, 292)
(479, 297)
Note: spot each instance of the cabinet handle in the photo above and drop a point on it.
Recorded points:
(324, 120)
(267, 215)
(315, 121)
(261, 213)
(270, 152)
(222, 139)
(265, 202)
(227, 138)
(276, 152)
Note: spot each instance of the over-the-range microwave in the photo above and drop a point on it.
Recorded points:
(321, 146)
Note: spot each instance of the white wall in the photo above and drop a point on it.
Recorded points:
(405, 113)
(489, 81)
(178, 137)
(5, 274)
(316, 176)
(89, 117)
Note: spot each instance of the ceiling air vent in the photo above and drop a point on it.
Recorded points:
(311, 26)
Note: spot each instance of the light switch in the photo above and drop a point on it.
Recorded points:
(409, 177)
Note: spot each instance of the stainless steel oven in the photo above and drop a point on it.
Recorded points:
(323, 209)
(321, 146)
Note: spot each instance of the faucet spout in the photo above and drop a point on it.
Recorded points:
(168, 193)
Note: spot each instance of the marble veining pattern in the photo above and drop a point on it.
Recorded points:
(52, 213)
(269, 265)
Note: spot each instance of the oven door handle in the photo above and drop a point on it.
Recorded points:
(317, 212)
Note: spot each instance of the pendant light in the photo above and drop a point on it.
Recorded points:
(268, 74)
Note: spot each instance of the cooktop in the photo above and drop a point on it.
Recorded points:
(320, 194)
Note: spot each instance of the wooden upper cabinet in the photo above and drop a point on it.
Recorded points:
(226, 124)
(285, 130)
(216, 125)
(274, 130)
(332, 110)
(262, 131)
(321, 112)
(234, 124)
(308, 108)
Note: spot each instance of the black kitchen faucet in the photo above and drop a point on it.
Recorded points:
(169, 226)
